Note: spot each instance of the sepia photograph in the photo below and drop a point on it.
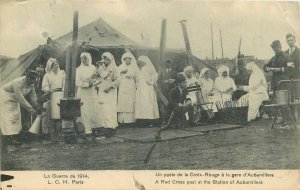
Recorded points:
(149, 85)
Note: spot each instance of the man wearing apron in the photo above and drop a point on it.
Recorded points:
(12, 97)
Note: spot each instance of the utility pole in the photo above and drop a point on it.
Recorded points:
(212, 41)
(221, 44)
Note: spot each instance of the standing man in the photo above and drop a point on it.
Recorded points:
(294, 53)
(294, 69)
(166, 78)
(278, 65)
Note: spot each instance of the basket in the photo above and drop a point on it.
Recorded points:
(236, 115)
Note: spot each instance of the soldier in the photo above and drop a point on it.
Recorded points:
(278, 65)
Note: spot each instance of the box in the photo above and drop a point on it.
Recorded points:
(236, 115)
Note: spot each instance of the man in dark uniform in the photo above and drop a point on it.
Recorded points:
(179, 104)
(166, 78)
(278, 65)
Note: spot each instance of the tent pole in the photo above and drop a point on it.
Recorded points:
(162, 46)
(187, 45)
(162, 49)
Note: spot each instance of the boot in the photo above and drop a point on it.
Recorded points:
(191, 122)
(170, 121)
(13, 140)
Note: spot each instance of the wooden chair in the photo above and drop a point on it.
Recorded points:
(293, 87)
(200, 102)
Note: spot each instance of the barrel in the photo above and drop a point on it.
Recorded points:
(282, 97)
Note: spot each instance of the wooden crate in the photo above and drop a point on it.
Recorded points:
(237, 115)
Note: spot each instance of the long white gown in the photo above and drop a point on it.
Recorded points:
(106, 106)
(87, 95)
(222, 84)
(257, 90)
(52, 81)
(127, 91)
(208, 86)
(146, 102)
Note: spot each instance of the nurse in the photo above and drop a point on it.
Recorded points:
(107, 95)
(146, 106)
(86, 92)
(127, 89)
(53, 80)
(224, 83)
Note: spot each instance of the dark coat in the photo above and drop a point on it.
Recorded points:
(279, 61)
(295, 72)
(162, 76)
(176, 97)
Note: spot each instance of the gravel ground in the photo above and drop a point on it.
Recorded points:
(253, 147)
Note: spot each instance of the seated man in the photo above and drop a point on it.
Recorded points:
(179, 104)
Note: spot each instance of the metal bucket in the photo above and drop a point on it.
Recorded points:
(282, 97)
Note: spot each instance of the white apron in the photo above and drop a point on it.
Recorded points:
(106, 107)
(146, 102)
(10, 113)
(88, 109)
(87, 96)
(127, 96)
(206, 87)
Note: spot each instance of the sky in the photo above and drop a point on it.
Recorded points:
(22, 23)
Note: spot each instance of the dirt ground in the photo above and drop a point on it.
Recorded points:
(253, 147)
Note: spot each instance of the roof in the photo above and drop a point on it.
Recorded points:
(16, 67)
(98, 34)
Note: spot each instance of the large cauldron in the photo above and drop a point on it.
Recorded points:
(70, 108)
